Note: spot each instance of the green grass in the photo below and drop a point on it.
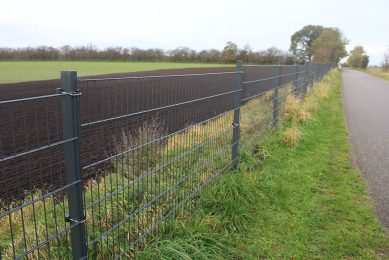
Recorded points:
(378, 73)
(20, 71)
(305, 202)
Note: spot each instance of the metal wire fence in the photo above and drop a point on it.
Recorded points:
(97, 183)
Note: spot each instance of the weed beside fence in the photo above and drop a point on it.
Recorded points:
(143, 147)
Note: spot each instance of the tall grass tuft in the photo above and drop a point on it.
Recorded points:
(291, 136)
(145, 156)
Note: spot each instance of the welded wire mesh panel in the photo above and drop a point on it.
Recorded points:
(288, 74)
(33, 201)
(19, 90)
(256, 119)
(28, 125)
(151, 144)
(258, 79)
(112, 106)
(262, 108)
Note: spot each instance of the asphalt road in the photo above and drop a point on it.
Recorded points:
(366, 102)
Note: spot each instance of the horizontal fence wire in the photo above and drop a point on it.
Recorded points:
(149, 145)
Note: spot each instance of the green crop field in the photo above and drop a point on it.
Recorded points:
(21, 71)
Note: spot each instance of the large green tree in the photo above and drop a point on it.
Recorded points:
(365, 61)
(302, 40)
(330, 46)
(358, 58)
(230, 52)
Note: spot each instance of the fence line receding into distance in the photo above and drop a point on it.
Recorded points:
(94, 169)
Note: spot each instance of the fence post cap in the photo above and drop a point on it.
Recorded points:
(68, 72)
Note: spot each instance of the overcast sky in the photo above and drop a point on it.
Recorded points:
(200, 24)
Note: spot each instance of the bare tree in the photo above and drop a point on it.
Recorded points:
(385, 62)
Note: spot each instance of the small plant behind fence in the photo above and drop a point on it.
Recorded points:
(96, 169)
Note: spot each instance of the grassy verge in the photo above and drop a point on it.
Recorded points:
(20, 71)
(297, 196)
(378, 73)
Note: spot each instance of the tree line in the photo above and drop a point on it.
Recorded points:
(229, 54)
(313, 43)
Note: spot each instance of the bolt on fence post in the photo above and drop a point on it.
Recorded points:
(236, 122)
(71, 130)
(275, 96)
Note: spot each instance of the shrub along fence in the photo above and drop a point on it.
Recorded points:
(105, 161)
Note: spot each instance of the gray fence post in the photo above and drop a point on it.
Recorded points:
(71, 130)
(306, 79)
(311, 73)
(296, 86)
(236, 122)
(275, 96)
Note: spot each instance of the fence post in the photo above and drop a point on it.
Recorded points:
(236, 122)
(275, 96)
(296, 84)
(306, 79)
(313, 74)
(71, 130)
